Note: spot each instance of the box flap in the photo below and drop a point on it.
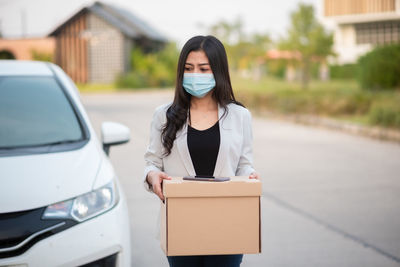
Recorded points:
(237, 186)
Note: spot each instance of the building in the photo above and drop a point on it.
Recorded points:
(360, 25)
(94, 45)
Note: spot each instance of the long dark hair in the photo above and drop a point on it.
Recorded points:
(222, 93)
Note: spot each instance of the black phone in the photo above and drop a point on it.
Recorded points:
(206, 178)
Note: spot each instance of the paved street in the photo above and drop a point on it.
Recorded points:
(329, 199)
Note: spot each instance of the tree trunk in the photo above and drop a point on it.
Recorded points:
(305, 75)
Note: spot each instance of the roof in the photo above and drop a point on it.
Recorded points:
(282, 54)
(122, 19)
(22, 68)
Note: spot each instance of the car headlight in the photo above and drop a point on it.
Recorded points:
(85, 206)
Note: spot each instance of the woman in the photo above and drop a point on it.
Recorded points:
(204, 131)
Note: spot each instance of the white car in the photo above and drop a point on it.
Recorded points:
(61, 203)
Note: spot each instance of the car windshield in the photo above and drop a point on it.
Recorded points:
(34, 111)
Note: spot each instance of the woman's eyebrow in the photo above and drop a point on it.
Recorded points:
(201, 64)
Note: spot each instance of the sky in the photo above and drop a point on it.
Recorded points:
(178, 20)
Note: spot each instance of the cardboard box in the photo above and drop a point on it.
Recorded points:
(211, 218)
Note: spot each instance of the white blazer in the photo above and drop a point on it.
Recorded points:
(235, 156)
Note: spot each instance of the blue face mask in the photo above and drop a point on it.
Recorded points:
(198, 84)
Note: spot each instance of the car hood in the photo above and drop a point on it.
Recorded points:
(33, 181)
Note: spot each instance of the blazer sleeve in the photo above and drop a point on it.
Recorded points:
(153, 155)
(245, 166)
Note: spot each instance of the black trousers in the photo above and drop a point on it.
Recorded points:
(206, 261)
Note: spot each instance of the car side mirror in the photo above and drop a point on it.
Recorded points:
(112, 134)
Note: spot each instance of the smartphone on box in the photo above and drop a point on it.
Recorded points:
(206, 178)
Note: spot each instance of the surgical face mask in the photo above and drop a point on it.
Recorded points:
(198, 84)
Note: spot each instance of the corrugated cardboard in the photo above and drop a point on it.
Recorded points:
(211, 218)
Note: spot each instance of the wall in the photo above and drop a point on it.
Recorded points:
(345, 7)
(71, 49)
(345, 45)
(22, 48)
(105, 50)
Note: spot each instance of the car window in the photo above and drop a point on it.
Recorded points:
(34, 111)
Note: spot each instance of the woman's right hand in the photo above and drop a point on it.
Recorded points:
(155, 178)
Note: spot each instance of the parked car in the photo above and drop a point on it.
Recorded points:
(61, 203)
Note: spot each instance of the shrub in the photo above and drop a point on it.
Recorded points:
(131, 80)
(345, 71)
(155, 69)
(380, 68)
(385, 115)
(41, 56)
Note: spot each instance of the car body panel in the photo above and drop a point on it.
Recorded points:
(33, 181)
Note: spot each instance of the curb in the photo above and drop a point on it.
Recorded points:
(374, 132)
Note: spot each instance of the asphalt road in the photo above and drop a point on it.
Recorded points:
(329, 199)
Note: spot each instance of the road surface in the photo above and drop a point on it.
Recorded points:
(329, 198)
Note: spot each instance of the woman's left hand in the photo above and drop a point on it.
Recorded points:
(254, 175)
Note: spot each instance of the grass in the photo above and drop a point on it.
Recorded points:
(339, 99)
(96, 88)
(278, 85)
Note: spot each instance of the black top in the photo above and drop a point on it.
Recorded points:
(203, 148)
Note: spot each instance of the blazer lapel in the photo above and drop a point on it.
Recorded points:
(181, 142)
(224, 130)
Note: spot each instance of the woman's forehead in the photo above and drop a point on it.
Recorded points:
(197, 57)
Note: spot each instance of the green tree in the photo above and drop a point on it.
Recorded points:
(229, 33)
(242, 49)
(307, 37)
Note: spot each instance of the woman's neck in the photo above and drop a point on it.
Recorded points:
(206, 103)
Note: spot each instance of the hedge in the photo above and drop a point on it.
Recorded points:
(380, 68)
